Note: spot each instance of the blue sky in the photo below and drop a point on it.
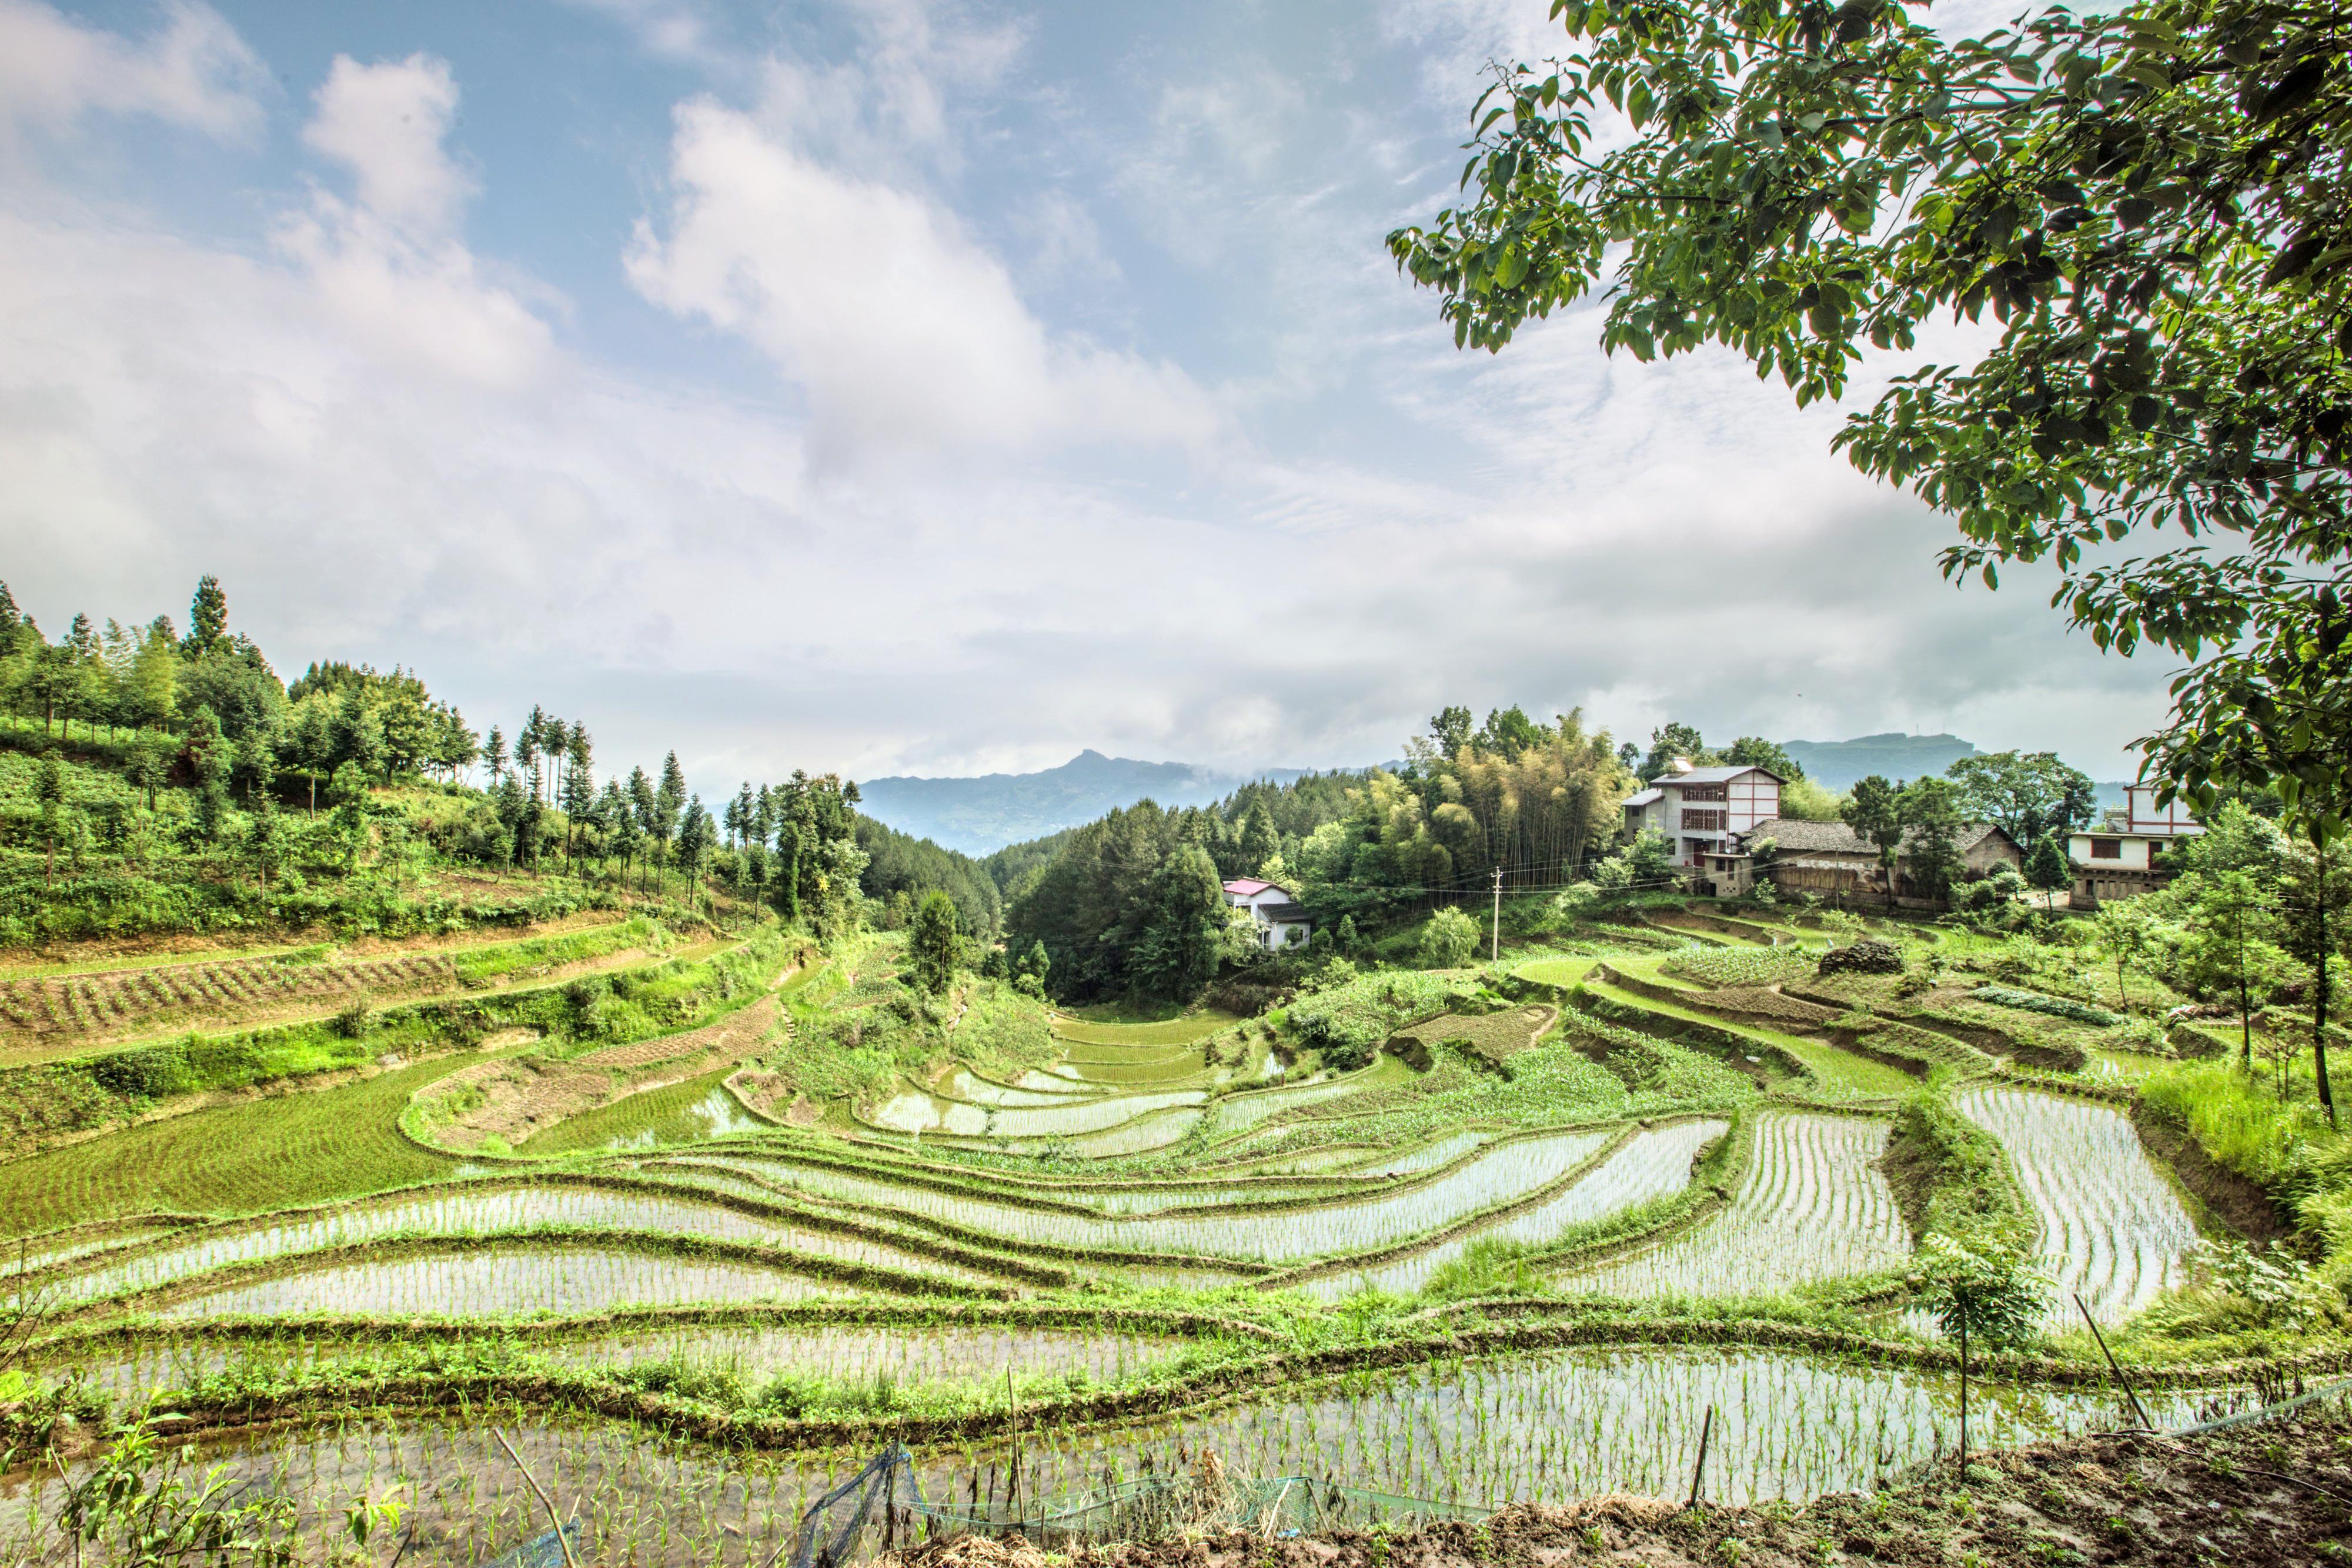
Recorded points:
(894, 386)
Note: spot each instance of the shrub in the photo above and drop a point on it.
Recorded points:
(1448, 940)
(148, 1074)
(1862, 958)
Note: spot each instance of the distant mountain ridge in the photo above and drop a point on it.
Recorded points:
(1836, 764)
(981, 815)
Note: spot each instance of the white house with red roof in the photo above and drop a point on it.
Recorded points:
(1281, 921)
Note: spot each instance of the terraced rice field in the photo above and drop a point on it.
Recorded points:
(1266, 1235)
(2112, 1227)
(749, 1352)
(503, 1280)
(477, 1213)
(1813, 1206)
(1650, 1165)
(1552, 1428)
(894, 1259)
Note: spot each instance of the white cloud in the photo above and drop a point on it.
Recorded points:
(905, 332)
(388, 261)
(386, 124)
(192, 71)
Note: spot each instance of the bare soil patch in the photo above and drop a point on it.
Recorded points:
(520, 1097)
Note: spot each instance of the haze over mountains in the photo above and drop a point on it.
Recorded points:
(983, 814)
(1836, 764)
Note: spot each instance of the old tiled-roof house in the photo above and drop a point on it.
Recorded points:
(1830, 858)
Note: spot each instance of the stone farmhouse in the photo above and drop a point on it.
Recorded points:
(1832, 860)
(2117, 859)
(1282, 922)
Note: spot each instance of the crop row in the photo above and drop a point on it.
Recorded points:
(1547, 1430)
(83, 1004)
(1813, 1206)
(2111, 1227)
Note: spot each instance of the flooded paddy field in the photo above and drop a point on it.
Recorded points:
(489, 1280)
(1472, 1434)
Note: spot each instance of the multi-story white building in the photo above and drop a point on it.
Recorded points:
(1704, 810)
(2117, 859)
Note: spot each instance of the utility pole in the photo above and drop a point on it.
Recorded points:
(1495, 954)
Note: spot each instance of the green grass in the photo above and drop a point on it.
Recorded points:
(1561, 972)
(666, 1113)
(1180, 1030)
(246, 1158)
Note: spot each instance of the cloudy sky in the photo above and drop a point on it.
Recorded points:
(888, 386)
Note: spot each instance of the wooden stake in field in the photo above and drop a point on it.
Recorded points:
(1699, 1475)
(2121, 1381)
(562, 1539)
(1012, 1415)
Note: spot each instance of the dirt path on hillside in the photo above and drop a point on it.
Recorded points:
(2275, 1493)
(522, 1096)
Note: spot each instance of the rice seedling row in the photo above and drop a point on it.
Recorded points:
(746, 1353)
(1652, 1163)
(491, 1281)
(2111, 1227)
(1546, 1429)
(1813, 1206)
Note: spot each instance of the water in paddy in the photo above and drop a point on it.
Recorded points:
(1494, 1176)
(750, 1352)
(497, 1280)
(459, 1211)
(716, 1115)
(1050, 1116)
(1550, 1427)
(2111, 1227)
(1650, 1164)
(1813, 1206)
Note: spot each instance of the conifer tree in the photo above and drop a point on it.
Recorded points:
(643, 807)
(579, 790)
(668, 797)
(494, 754)
(933, 946)
(207, 618)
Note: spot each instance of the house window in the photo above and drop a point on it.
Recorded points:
(2106, 849)
(1704, 793)
(1702, 822)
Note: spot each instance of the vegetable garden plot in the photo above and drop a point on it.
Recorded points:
(1813, 1206)
(1548, 1429)
(2111, 1226)
(494, 1280)
(459, 1213)
(1497, 1175)
(1650, 1165)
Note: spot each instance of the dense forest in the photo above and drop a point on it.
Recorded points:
(156, 781)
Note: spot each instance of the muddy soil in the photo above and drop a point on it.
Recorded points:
(2277, 1493)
